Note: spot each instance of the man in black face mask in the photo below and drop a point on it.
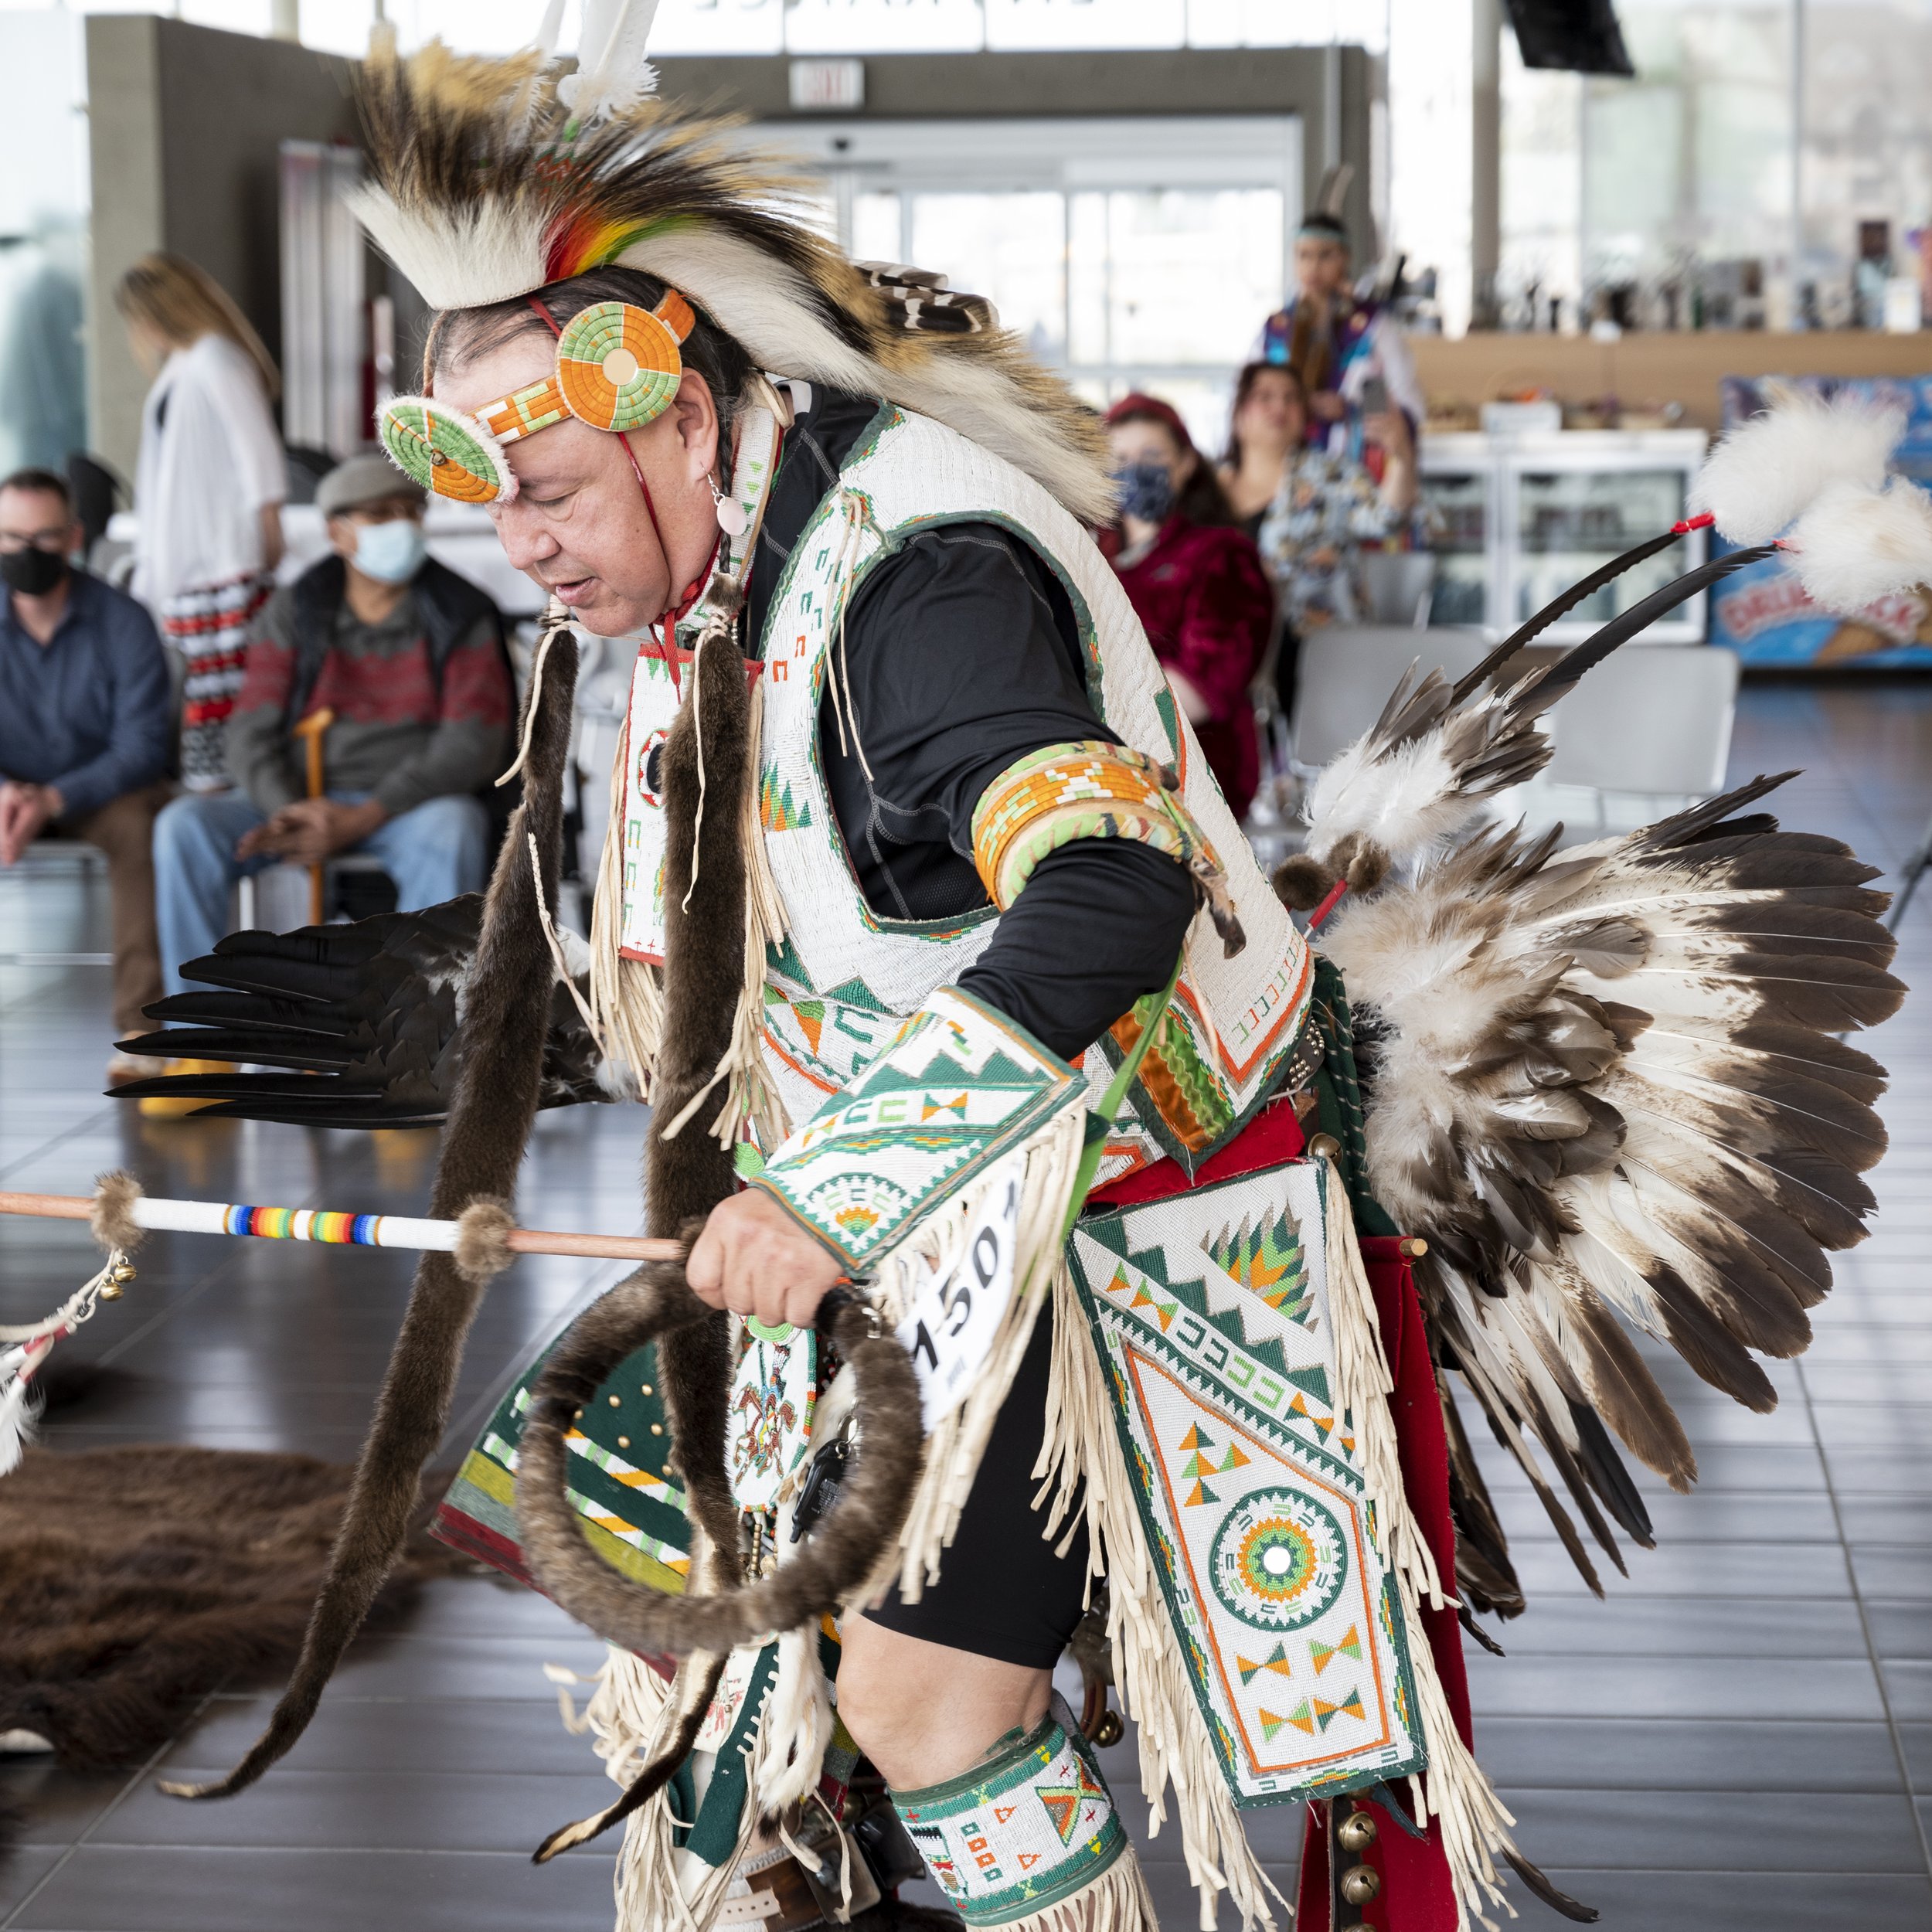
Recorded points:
(85, 726)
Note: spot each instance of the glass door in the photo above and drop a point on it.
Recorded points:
(1130, 253)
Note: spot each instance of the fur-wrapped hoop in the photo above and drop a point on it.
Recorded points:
(485, 187)
(828, 1567)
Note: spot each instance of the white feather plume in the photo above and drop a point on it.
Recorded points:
(612, 73)
(1856, 544)
(1406, 800)
(550, 28)
(1769, 470)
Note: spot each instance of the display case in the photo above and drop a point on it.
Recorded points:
(1520, 518)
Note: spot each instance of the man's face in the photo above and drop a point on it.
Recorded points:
(37, 520)
(578, 526)
(1321, 265)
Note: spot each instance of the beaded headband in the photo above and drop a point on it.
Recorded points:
(617, 367)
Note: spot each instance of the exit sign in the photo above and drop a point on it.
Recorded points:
(822, 86)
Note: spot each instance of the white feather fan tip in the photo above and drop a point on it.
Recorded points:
(1854, 546)
(1771, 468)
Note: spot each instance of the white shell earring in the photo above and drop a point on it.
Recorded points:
(729, 511)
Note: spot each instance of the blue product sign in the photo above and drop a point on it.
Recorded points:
(1763, 613)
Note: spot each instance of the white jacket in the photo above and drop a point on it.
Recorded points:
(211, 458)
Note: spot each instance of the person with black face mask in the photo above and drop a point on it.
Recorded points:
(86, 725)
(1196, 582)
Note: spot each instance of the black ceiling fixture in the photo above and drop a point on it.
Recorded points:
(1575, 36)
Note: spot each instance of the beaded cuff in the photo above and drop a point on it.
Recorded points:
(1090, 790)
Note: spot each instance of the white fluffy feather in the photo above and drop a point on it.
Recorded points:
(16, 1410)
(1856, 544)
(1406, 802)
(457, 262)
(612, 73)
(1769, 470)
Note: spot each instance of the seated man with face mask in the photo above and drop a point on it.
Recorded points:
(409, 658)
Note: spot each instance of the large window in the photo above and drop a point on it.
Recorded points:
(43, 242)
(871, 26)
(1762, 145)
(1129, 253)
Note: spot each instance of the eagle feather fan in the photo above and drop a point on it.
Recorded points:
(1603, 1083)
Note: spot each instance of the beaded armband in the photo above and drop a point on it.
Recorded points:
(1032, 1826)
(1090, 790)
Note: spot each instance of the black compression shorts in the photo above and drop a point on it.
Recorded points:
(1001, 1591)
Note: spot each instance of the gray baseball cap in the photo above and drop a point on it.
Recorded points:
(363, 479)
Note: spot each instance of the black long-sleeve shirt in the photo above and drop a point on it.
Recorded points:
(961, 656)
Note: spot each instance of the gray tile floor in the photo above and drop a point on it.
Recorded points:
(1739, 1737)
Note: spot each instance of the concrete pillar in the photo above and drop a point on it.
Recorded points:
(184, 127)
(1485, 159)
(124, 160)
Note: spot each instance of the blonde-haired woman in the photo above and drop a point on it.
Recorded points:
(208, 490)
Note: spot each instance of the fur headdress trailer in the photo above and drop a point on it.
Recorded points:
(489, 184)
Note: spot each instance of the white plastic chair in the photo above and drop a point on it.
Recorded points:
(49, 856)
(1397, 587)
(276, 899)
(1647, 732)
(1343, 678)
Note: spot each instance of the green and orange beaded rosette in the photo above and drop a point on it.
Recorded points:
(449, 453)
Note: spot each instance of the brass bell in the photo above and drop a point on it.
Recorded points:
(123, 1270)
(1324, 1147)
(1109, 1731)
(1357, 1831)
(112, 1291)
(1360, 1883)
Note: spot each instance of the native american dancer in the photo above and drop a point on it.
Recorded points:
(1045, 1231)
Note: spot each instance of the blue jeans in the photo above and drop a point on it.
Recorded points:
(433, 852)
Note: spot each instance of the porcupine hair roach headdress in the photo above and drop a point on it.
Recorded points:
(493, 179)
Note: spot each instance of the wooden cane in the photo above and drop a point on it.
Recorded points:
(311, 729)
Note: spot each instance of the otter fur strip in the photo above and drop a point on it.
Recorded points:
(832, 1563)
(506, 1016)
(707, 765)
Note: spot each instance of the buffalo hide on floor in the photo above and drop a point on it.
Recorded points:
(133, 1582)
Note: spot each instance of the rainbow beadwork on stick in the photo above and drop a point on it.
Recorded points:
(304, 1224)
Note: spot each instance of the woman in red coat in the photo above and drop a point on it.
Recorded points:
(1196, 582)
